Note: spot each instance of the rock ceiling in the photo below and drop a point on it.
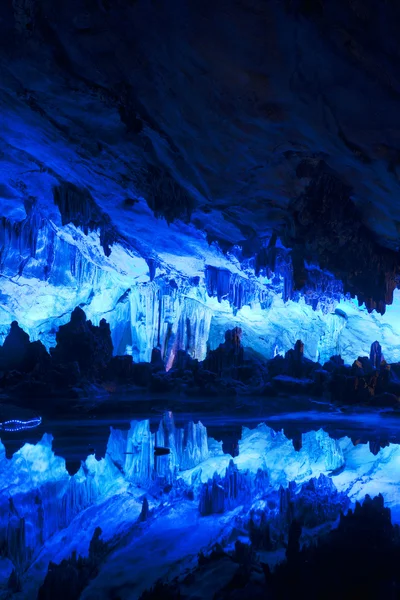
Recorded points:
(232, 121)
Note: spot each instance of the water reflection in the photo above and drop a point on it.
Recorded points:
(225, 476)
(78, 435)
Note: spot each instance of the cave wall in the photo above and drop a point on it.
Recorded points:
(47, 270)
(201, 166)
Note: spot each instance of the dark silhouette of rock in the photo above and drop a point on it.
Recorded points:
(82, 361)
(14, 582)
(295, 358)
(15, 347)
(228, 356)
(145, 510)
(81, 341)
(36, 358)
(260, 532)
(157, 363)
(335, 362)
(293, 547)
(358, 559)
(223, 493)
(327, 224)
(120, 369)
(375, 355)
(67, 580)
(184, 362)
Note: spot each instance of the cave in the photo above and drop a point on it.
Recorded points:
(199, 299)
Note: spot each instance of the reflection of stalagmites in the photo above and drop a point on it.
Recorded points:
(286, 503)
(14, 582)
(67, 580)
(194, 445)
(293, 547)
(133, 452)
(16, 542)
(224, 493)
(318, 502)
(260, 533)
(319, 445)
(144, 513)
(139, 462)
(212, 498)
(167, 466)
(188, 445)
(79, 494)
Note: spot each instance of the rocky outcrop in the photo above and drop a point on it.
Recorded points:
(67, 580)
(360, 556)
(82, 354)
(224, 493)
(82, 342)
(228, 357)
(369, 380)
(82, 363)
(14, 352)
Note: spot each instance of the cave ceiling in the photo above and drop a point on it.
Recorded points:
(174, 125)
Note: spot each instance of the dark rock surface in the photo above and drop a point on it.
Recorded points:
(82, 364)
(358, 559)
(81, 342)
(67, 580)
(224, 493)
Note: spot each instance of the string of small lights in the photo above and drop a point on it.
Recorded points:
(17, 425)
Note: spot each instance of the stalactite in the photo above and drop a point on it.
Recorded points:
(237, 290)
(78, 207)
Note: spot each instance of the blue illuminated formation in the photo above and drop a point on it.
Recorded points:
(204, 493)
(18, 425)
(197, 212)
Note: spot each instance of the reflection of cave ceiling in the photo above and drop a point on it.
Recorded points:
(232, 120)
